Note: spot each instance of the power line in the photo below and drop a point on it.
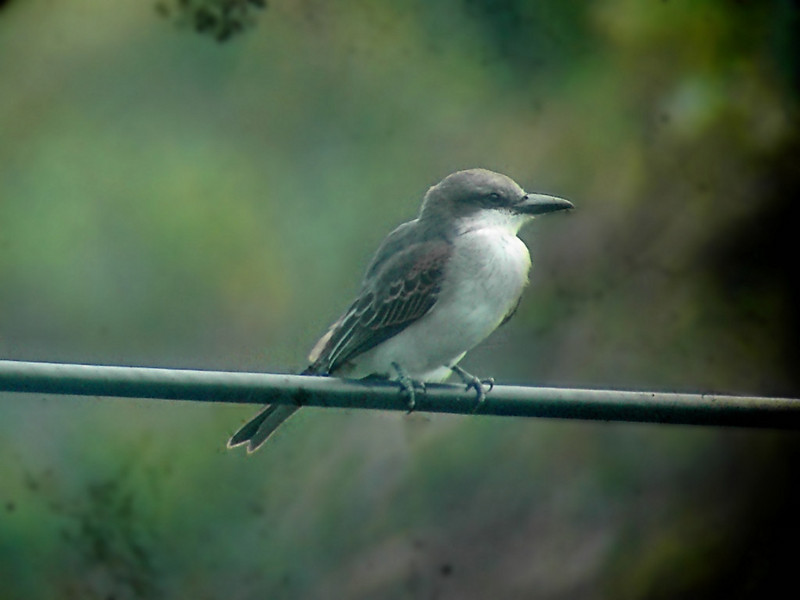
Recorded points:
(330, 392)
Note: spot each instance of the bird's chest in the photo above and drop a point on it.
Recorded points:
(488, 271)
(482, 284)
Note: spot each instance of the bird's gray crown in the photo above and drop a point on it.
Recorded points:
(465, 192)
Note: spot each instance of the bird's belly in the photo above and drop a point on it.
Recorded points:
(485, 279)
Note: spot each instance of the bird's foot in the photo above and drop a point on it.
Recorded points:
(408, 386)
(481, 386)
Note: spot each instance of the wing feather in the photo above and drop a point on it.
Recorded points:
(402, 289)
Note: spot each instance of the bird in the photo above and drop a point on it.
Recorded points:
(436, 287)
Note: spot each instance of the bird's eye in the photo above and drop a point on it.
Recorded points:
(494, 198)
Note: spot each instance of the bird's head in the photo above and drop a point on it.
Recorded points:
(482, 198)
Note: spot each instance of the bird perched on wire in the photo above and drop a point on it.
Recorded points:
(436, 287)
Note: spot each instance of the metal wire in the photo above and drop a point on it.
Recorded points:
(330, 392)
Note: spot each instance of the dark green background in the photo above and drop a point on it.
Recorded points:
(166, 200)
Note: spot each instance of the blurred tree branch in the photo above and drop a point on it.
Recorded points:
(220, 19)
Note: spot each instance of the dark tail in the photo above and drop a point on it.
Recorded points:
(258, 429)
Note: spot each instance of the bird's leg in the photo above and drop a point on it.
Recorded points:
(407, 384)
(479, 385)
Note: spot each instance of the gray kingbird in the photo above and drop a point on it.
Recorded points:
(436, 287)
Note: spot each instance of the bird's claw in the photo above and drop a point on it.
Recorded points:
(407, 386)
(479, 385)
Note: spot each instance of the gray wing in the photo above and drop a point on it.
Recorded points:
(402, 284)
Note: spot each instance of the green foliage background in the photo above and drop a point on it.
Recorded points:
(166, 200)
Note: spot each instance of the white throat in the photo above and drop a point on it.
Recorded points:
(506, 221)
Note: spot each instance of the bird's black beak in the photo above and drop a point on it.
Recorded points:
(539, 204)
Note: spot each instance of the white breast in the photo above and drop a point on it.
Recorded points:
(484, 279)
(488, 271)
